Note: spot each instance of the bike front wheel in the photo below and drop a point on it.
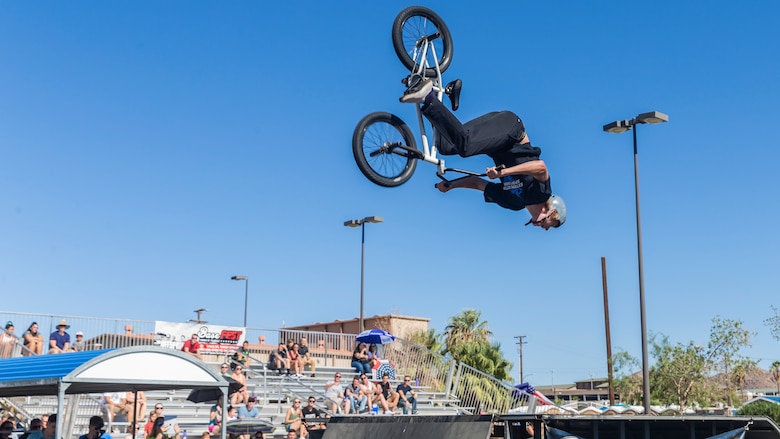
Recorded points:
(412, 25)
(384, 149)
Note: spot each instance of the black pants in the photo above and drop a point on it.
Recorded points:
(490, 134)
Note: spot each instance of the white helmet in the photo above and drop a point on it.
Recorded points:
(556, 202)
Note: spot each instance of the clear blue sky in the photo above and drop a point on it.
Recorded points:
(151, 150)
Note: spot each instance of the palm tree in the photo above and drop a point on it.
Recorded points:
(465, 328)
(775, 369)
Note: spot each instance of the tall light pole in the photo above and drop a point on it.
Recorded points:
(246, 292)
(618, 127)
(362, 224)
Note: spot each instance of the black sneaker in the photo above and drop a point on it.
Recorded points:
(418, 89)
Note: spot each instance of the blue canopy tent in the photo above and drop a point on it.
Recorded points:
(137, 368)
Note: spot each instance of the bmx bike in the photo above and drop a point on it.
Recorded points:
(384, 147)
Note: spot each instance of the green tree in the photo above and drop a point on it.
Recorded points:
(628, 384)
(466, 327)
(679, 374)
(775, 369)
(428, 339)
(727, 338)
(774, 323)
(761, 408)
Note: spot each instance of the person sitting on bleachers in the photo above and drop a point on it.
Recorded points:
(192, 347)
(242, 354)
(374, 393)
(241, 395)
(311, 414)
(248, 411)
(357, 397)
(48, 429)
(407, 397)
(373, 356)
(278, 360)
(360, 359)
(59, 340)
(6, 428)
(135, 407)
(334, 391)
(295, 361)
(306, 359)
(159, 429)
(96, 430)
(7, 340)
(115, 404)
(33, 341)
(390, 395)
(35, 425)
(293, 420)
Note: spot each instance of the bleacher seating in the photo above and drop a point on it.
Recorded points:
(274, 394)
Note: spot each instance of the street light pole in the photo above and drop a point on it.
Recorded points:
(618, 127)
(246, 292)
(362, 224)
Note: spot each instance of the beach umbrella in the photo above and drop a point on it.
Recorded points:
(375, 336)
(213, 394)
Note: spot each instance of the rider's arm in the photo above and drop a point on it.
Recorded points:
(535, 168)
(470, 182)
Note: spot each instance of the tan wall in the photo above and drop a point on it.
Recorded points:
(400, 326)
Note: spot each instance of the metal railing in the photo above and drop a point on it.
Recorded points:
(457, 384)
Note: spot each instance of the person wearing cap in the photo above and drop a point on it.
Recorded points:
(248, 411)
(525, 180)
(59, 340)
(79, 345)
(96, 430)
(7, 340)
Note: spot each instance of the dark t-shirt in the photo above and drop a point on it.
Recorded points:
(385, 388)
(312, 412)
(60, 339)
(515, 192)
(403, 389)
(303, 350)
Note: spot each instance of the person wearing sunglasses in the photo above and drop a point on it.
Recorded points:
(156, 412)
(311, 413)
(96, 430)
(334, 391)
(160, 430)
(407, 397)
(293, 420)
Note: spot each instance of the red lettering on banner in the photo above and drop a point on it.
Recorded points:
(230, 335)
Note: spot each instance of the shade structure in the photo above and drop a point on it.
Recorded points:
(375, 336)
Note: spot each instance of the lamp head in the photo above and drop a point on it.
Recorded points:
(238, 277)
(618, 126)
(652, 117)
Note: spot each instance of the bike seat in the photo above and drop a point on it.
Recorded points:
(453, 91)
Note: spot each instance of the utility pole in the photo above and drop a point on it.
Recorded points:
(199, 311)
(520, 344)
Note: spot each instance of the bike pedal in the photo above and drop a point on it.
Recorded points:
(453, 91)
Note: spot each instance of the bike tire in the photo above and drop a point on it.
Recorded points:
(388, 167)
(413, 23)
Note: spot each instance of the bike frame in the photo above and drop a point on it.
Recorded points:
(429, 150)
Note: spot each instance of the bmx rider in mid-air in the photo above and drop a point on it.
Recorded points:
(525, 181)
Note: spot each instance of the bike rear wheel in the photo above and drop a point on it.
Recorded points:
(410, 26)
(384, 149)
